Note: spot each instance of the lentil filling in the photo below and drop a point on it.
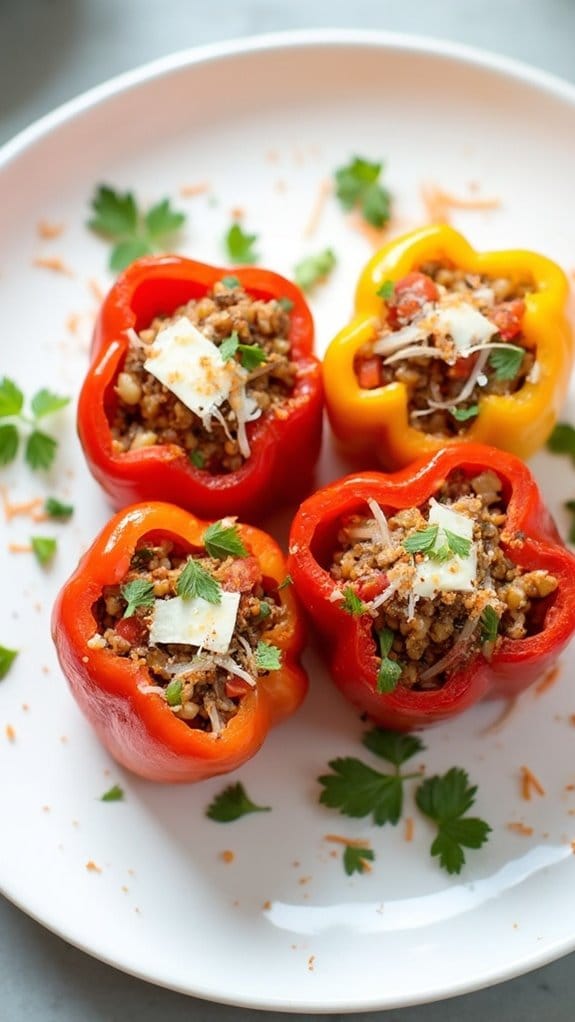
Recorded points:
(433, 609)
(202, 688)
(451, 337)
(146, 412)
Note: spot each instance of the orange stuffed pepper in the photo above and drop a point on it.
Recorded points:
(449, 345)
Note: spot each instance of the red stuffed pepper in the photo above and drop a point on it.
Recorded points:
(179, 642)
(202, 387)
(434, 586)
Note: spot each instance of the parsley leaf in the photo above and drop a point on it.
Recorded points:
(135, 232)
(352, 603)
(463, 414)
(445, 800)
(286, 304)
(570, 506)
(11, 398)
(197, 459)
(232, 803)
(489, 622)
(44, 548)
(265, 610)
(355, 859)
(195, 581)
(357, 790)
(229, 346)
(268, 657)
(174, 692)
(45, 402)
(9, 441)
(252, 356)
(138, 593)
(386, 290)
(389, 671)
(7, 658)
(357, 184)
(230, 282)
(114, 794)
(396, 748)
(458, 545)
(562, 440)
(40, 449)
(314, 268)
(285, 582)
(55, 509)
(222, 541)
(240, 246)
(506, 361)
(421, 541)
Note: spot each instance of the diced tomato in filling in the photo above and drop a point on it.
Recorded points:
(132, 629)
(410, 294)
(463, 367)
(242, 575)
(367, 589)
(508, 318)
(369, 373)
(236, 687)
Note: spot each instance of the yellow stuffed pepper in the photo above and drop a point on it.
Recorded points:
(449, 345)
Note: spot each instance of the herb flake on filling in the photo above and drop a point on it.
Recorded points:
(251, 374)
(442, 596)
(203, 686)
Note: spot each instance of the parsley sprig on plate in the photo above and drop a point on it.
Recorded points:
(358, 184)
(445, 800)
(241, 246)
(134, 231)
(313, 269)
(40, 448)
(232, 803)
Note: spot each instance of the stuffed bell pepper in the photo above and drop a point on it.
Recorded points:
(434, 586)
(202, 387)
(449, 345)
(179, 641)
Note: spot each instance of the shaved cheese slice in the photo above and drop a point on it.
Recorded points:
(457, 574)
(196, 622)
(191, 367)
(463, 323)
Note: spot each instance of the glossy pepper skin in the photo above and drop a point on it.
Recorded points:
(530, 539)
(158, 285)
(138, 728)
(374, 423)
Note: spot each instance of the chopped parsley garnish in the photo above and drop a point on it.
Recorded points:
(489, 622)
(459, 545)
(570, 506)
(173, 692)
(386, 290)
(358, 790)
(232, 803)
(445, 800)
(195, 581)
(56, 509)
(230, 282)
(114, 794)
(44, 548)
(137, 593)
(562, 440)
(197, 459)
(463, 414)
(352, 603)
(506, 361)
(314, 268)
(7, 658)
(265, 610)
(355, 859)
(135, 232)
(251, 355)
(142, 557)
(40, 448)
(240, 246)
(286, 304)
(221, 541)
(285, 582)
(389, 671)
(421, 541)
(357, 184)
(268, 657)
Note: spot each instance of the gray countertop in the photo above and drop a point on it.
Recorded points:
(50, 51)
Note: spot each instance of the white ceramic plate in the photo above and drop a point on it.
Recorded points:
(281, 926)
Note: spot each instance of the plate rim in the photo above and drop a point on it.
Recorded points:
(293, 40)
